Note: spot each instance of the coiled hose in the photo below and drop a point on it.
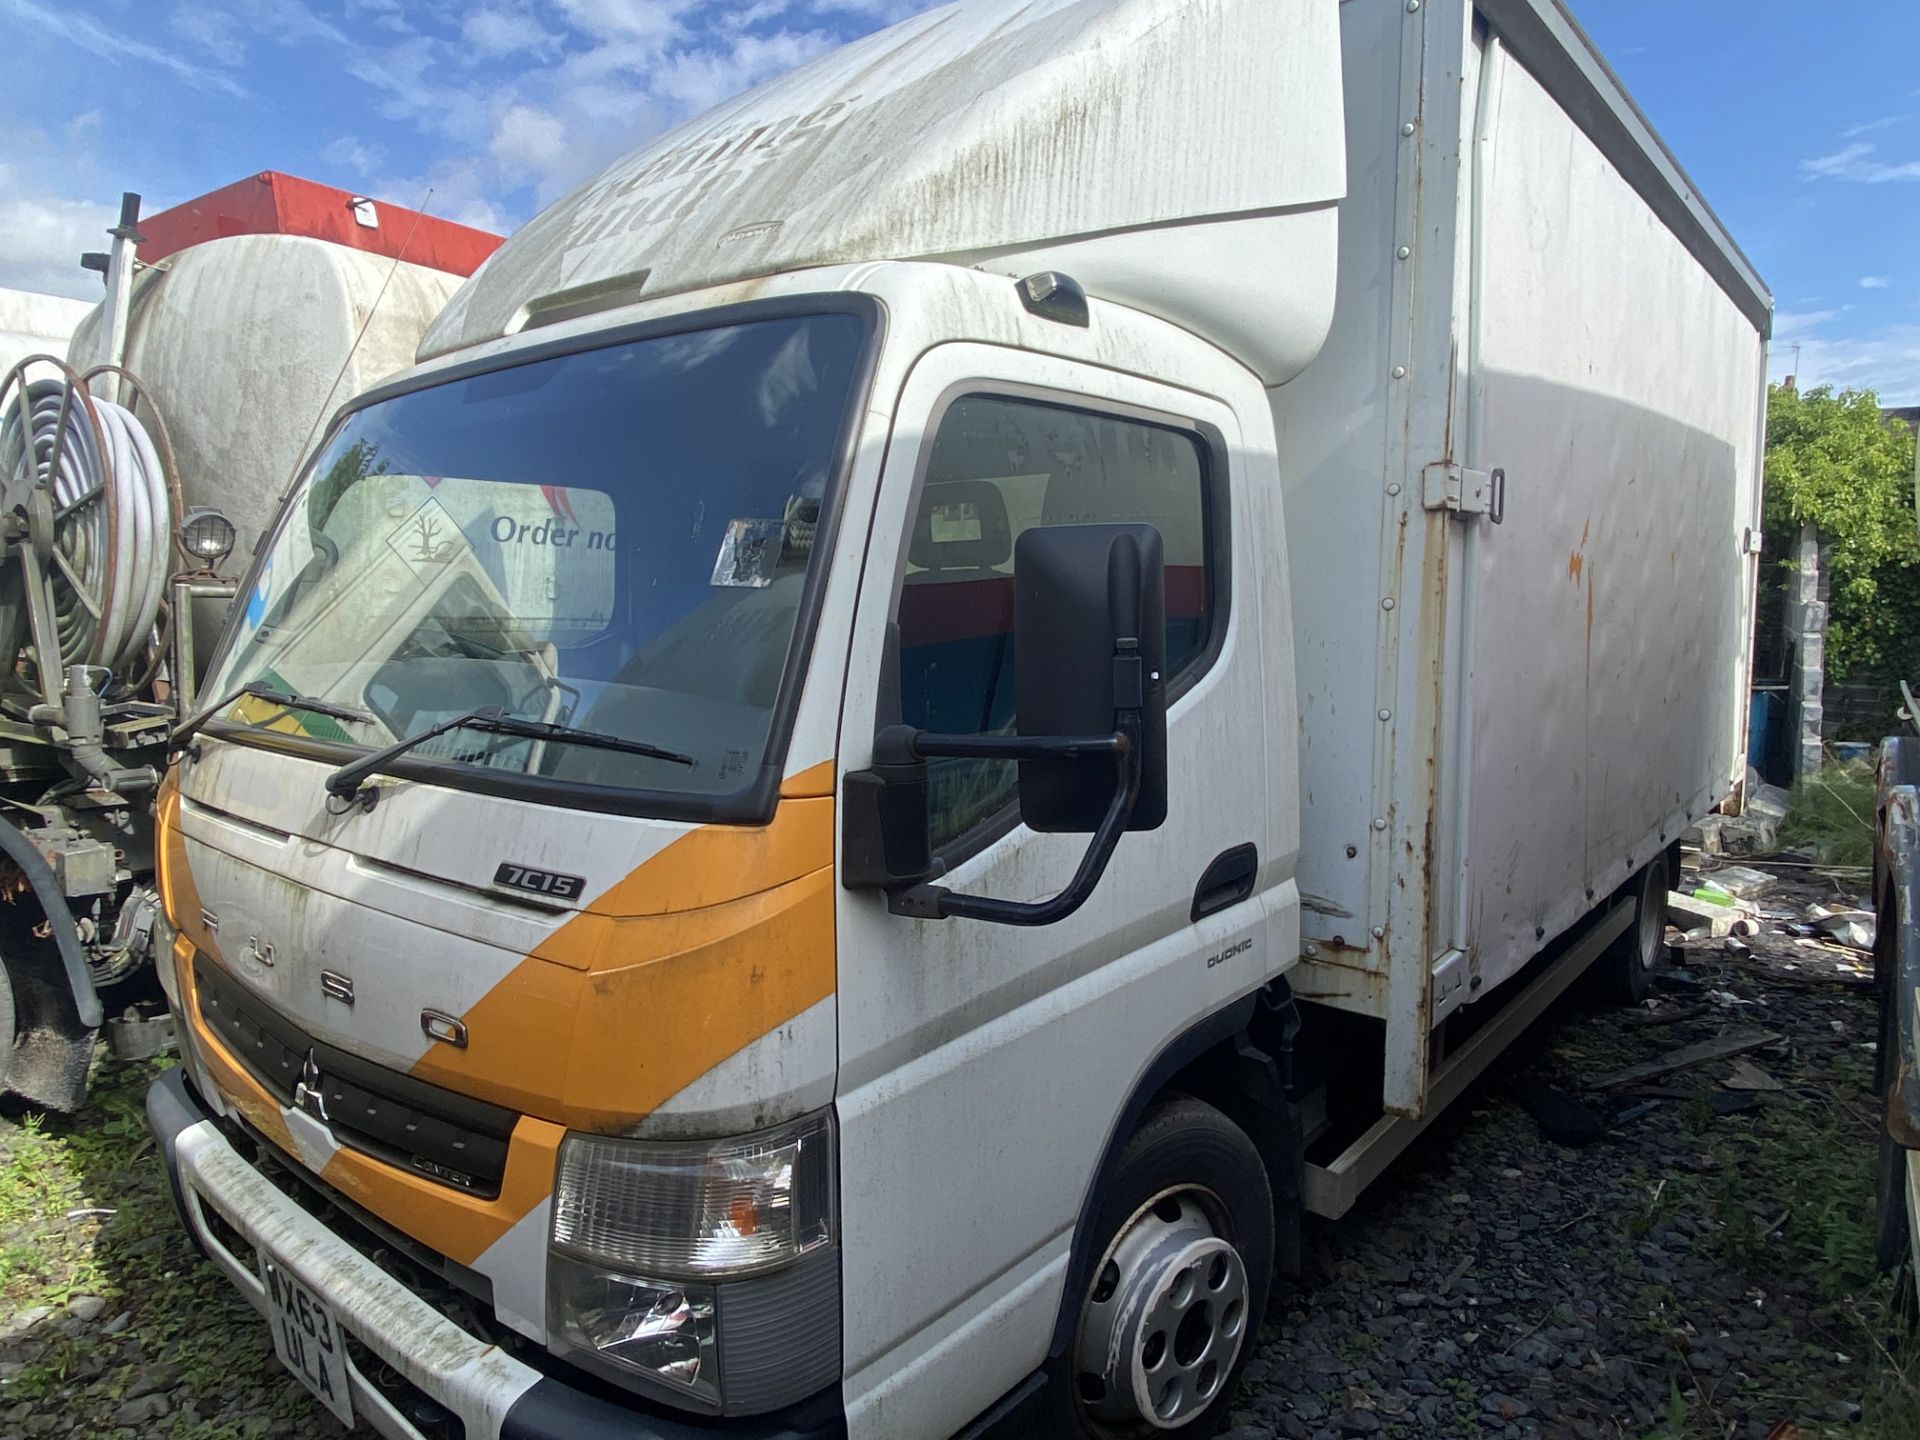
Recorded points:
(112, 523)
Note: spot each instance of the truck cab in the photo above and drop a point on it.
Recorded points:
(508, 972)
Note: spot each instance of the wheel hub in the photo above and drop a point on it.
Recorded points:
(1166, 1318)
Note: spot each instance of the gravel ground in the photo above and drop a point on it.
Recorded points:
(1686, 1273)
(1696, 1269)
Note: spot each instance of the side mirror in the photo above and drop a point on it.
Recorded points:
(1090, 686)
(1090, 631)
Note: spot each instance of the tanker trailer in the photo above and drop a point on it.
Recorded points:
(232, 326)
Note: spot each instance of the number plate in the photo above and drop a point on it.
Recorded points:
(307, 1339)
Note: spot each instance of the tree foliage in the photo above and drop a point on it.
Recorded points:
(1835, 460)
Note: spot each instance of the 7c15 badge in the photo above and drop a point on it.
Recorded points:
(546, 883)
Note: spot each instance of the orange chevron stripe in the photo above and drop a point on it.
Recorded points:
(718, 940)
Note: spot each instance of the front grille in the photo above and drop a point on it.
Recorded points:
(453, 1140)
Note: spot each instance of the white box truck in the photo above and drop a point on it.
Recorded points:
(952, 695)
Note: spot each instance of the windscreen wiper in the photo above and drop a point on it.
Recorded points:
(493, 719)
(273, 695)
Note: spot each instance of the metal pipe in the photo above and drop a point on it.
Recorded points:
(186, 590)
(120, 261)
(1486, 106)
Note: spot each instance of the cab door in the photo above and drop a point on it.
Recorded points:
(983, 1066)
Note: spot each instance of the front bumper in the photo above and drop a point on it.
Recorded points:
(494, 1395)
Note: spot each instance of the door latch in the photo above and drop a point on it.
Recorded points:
(1464, 491)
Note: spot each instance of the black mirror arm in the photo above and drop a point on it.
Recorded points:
(936, 902)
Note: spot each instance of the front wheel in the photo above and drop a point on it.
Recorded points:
(1166, 1322)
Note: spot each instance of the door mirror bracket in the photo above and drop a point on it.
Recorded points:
(1090, 649)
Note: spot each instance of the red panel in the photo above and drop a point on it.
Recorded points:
(938, 612)
(274, 204)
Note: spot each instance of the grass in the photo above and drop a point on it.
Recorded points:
(84, 1210)
(1790, 1191)
(1831, 813)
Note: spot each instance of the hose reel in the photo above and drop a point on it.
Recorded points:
(87, 499)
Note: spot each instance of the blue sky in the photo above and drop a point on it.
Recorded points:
(1800, 122)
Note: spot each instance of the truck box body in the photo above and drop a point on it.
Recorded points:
(1441, 392)
(1554, 698)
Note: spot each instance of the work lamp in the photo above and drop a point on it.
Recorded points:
(205, 535)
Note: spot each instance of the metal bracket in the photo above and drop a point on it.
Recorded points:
(1456, 488)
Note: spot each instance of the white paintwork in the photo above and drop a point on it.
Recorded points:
(1552, 327)
(477, 1381)
(516, 1263)
(250, 342)
(1011, 133)
(727, 1100)
(1621, 390)
(966, 1047)
(36, 324)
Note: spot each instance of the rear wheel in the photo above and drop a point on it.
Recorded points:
(1892, 1235)
(1169, 1312)
(1624, 972)
(6, 1027)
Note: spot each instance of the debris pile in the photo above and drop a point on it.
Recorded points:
(1722, 909)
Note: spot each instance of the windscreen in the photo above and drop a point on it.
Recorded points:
(612, 543)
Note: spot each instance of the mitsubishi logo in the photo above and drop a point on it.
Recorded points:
(307, 1093)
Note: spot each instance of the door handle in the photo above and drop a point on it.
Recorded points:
(1227, 881)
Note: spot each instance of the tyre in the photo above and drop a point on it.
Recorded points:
(1623, 973)
(1166, 1321)
(1892, 1236)
(6, 1027)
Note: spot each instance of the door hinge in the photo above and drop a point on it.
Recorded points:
(1456, 488)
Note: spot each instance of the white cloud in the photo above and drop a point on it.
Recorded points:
(700, 79)
(528, 141)
(290, 21)
(1874, 282)
(1885, 122)
(357, 155)
(1858, 162)
(89, 34)
(652, 20)
(491, 32)
(45, 236)
(214, 31)
(459, 188)
(1886, 361)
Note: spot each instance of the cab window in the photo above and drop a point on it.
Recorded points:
(999, 466)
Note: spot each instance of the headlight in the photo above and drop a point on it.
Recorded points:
(662, 1331)
(655, 1244)
(734, 1207)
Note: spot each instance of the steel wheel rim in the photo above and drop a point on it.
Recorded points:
(1165, 1318)
(1653, 915)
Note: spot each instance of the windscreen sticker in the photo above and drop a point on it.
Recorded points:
(750, 553)
(428, 539)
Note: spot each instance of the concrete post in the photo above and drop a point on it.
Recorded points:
(1807, 634)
